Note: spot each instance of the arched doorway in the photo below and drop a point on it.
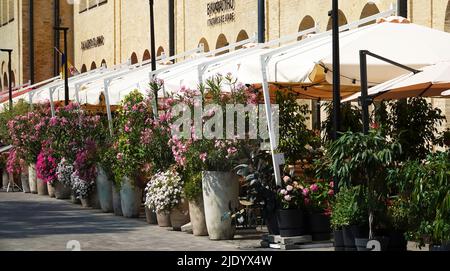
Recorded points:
(342, 20)
(447, 18)
(5, 81)
(205, 44)
(160, 51)
(307, 23)
(93, 66)
(146, 56)
(134, 59)
(369, 10)
(13, 79)
(104, 65)
(241, 36)
(83, 68)
(221, 42)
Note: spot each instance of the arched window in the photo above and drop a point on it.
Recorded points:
(342, 20)
(104, 64)
(93, 66)
(369, 10)
(134, 59)
(221, 42)
(205, 44)
(160, 51)
(307, 23)
(83, 68)
(447, 18)
(146, 56)
(241, 36)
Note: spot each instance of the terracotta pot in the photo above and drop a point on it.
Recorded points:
(62, 191)
(25, 181)
(86, 203)
(42, 188)
(197, 215)
(179, 216)
(32, 178)
(163, 220)
(51, 190)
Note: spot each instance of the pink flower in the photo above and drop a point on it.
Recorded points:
(314, 188)
(289, 188)
(331, 184)
(286, 179)
(119, 156)
(287, 198)
(203, 157)
(231, 150)
(305, 192)
(331, 192)
(283, 192)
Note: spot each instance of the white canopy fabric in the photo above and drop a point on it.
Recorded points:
(432, 81)
(409, 44)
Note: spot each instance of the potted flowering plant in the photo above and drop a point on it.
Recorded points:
(291, 216)
(213, 155)
(133, 120)
(28, 145)
(318, 197)
(164, 193)
(45, 170)
(15, 166)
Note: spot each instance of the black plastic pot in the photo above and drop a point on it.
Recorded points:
(361, 244)
(320, 227)
(339, 240)
(397, 241)
(349, 239)
(291, 223)
(445, 247)
(360, 231)
(272, 225)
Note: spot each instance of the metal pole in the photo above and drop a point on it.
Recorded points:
(318, 115)
(152, 43)
(31, 36)
(402, 8)
(66, 70)
(336, 80)
(364, 91)
(336, 71)
(10, 81)
(261, 21)
(171, 27)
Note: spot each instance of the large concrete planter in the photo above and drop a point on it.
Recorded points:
(117, 204)
(25, 181)
(220, 192)
(131, 198)
(163, 220)
(5, 178)
(62, 191)
(104, 191)
(32, 178)
(51, 190)
(42, 187)
(197, 214)
(179, 216)
(150, 216)
(95, 201)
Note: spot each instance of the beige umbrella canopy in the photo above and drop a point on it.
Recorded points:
(432, 81)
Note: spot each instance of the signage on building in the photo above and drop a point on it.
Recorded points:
(92, 43)
(221, 12)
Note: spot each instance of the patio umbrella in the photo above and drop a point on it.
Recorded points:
(412, 45)
(432, 81)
